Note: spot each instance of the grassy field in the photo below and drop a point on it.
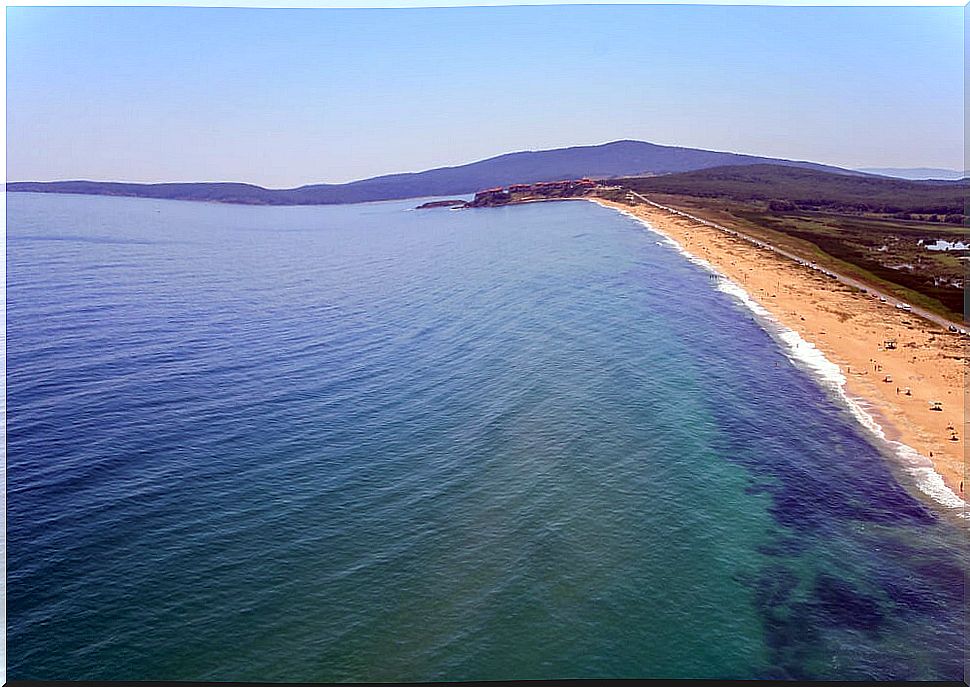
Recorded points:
(822, 219)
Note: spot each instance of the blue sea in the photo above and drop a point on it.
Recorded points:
(366, 443)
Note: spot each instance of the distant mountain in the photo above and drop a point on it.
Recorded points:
(811, 189)
(620, 158)
(916, 172)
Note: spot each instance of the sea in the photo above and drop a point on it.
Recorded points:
(373, 443)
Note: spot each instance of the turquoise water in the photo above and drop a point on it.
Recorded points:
(364, 443)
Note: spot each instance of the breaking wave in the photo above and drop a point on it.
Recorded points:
(809, 358)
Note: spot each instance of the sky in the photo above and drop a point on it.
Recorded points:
(284, 97)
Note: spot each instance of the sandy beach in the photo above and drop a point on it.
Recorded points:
(897, 385)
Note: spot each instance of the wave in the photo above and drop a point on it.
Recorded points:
(806, 356)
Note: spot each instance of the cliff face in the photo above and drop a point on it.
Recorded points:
(518, 193)
(490, 198)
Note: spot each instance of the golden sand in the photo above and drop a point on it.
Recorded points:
(851, 329)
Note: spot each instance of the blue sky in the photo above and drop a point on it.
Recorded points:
(286, 97)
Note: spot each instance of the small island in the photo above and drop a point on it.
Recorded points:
(452, 203)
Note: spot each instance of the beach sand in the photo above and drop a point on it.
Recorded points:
(850, 328)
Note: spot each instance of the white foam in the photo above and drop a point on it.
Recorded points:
(806, 356)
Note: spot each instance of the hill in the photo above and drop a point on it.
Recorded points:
(620, 158)
(789, 188)
(916, 172)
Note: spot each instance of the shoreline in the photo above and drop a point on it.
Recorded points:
(838, 334)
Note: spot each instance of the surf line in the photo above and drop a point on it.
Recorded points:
(807, 357)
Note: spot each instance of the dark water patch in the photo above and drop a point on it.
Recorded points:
(776, 586)
(949, 577)
(910, 598)
(842, 605)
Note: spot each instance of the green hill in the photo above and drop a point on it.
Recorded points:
(788, 188)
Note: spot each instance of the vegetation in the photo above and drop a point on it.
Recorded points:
(872, 228)
(787, 189)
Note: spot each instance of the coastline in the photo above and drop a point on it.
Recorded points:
(839, 334)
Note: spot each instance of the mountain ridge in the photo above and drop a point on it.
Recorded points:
(603, 161)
